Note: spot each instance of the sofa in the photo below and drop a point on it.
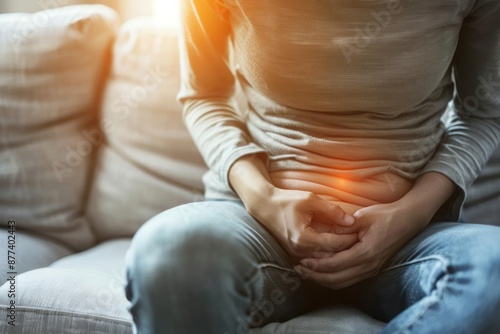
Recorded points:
(92, 146)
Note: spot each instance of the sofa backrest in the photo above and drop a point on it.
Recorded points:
(52, 69)
(147, 162)
(93, 142)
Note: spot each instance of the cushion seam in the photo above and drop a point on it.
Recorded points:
(72, 314)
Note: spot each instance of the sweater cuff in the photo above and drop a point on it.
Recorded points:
(450, 210)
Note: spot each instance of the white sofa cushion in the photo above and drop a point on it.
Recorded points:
(61, 301)
(30, 252)
(334, 319)
(52, 66)
(81, 293)
(148, 162)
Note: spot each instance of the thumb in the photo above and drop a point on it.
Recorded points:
(361, 213)
(332, 214)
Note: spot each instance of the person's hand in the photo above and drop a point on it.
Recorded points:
(382, 230)
(289, 214)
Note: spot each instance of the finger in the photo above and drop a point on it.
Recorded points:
(336, 280)
(329, 213)
(322, 227)
(313, 244)
(339, 261)
(337, 229)
(355, 280)
(360, 223)
(323, 254)
(310, 243)
(328, 242)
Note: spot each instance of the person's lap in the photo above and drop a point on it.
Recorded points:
(219, 239)
(220, 233)
(445, 278)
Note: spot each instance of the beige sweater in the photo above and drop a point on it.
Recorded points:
(345, 96)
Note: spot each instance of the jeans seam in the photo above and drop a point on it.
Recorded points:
(260, 266)
(429, 305)
(444, 261)
(439, 290)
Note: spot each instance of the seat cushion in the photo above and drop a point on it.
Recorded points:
(107, 257)
(53, 65)
(31, 252)
(333, 319)
(81, 293)
(84, 293)
(61, 301)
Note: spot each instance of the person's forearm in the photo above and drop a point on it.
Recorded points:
(250, 180)
(429, 193)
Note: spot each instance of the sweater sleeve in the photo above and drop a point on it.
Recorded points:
(208, 85)
(473, 122)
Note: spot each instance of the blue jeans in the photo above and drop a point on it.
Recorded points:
(210, 267)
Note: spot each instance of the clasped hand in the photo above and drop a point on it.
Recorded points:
(354, 247)
(381, 231)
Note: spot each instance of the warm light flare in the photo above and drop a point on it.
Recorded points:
(167, 12)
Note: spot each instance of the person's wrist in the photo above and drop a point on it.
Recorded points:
(258, 197)
(249, 178)
(418, 215)
(428, 194)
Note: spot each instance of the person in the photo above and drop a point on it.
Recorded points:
(340, 181)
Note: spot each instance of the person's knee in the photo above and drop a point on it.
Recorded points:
(472, 252)
(178, 253)
(485, 264)
(481, 284)
(478, 265)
